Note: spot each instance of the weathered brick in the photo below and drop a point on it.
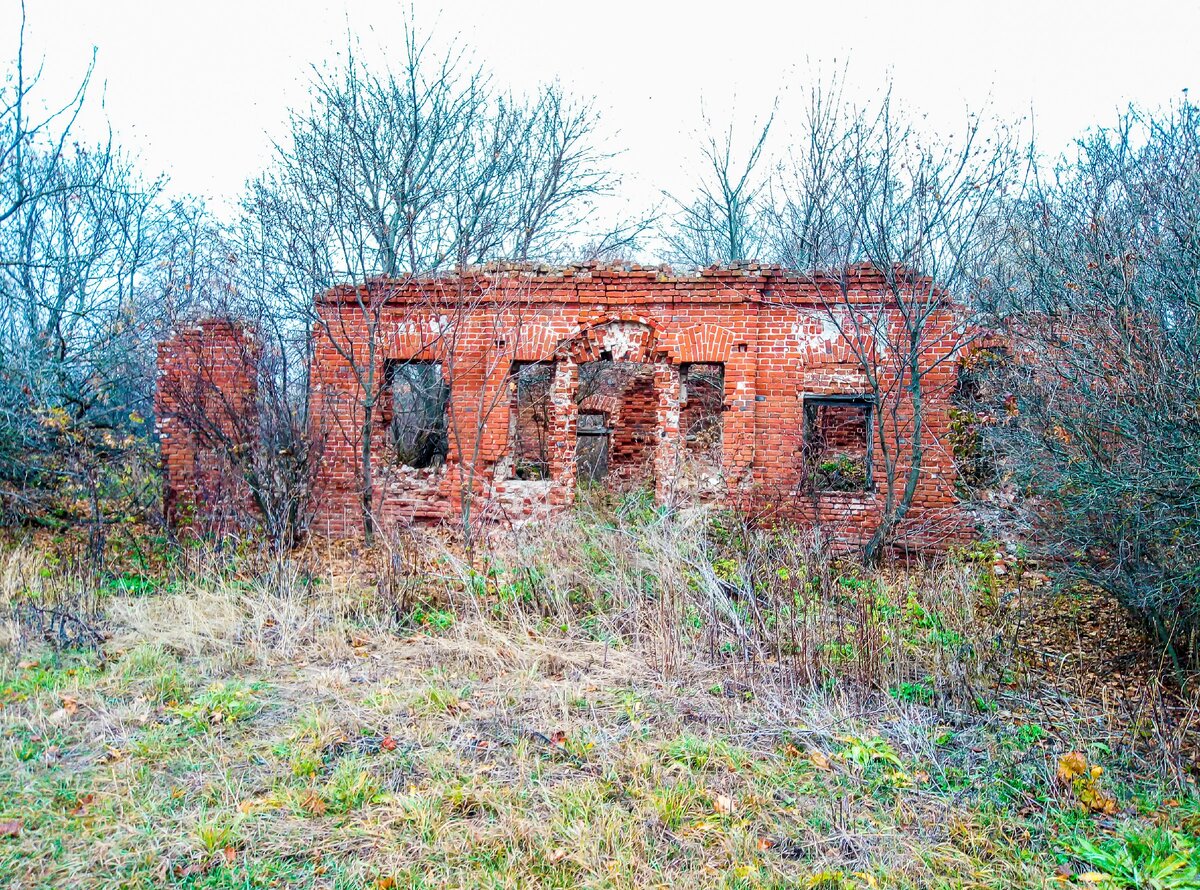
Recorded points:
(205, 412)
(770, 332)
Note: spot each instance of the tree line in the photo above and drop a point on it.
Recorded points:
(1085, 263)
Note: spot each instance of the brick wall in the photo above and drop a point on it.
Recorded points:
(765, 336)
(771, 333)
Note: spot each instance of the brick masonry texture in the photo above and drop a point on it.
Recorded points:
(773, 338)
(205, 410)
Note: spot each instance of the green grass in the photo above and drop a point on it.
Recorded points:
(218, 705)
(479, 751)
(628, 796)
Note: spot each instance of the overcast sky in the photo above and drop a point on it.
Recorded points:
(197, 89)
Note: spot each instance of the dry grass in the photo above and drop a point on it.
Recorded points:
(615, 700)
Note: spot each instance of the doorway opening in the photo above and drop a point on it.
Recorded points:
(618, 423)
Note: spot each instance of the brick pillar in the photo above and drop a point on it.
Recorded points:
(669, 447)
(207, 422)
(564, 414)
(738, 422)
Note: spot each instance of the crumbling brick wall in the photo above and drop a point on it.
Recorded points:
(730, 366)
(769, 332)
(624, 394)
(206, 421)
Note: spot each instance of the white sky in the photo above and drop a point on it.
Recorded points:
(198, 87)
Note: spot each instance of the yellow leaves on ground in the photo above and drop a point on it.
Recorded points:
(313, 804)
(1074, 773)
(839, 880)
(1089, 878)
(70, 705)
(1071, 766)
(259, 804)
(815, 757)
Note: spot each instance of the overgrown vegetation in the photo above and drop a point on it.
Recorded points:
(627, 698)
(1099, 297)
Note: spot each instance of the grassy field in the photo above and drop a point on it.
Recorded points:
(621, 701)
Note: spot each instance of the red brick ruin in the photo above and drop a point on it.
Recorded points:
(495, 394)
(205, 410)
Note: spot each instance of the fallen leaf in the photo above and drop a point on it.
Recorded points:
(1093, 877)
(111, 754)
(819, 760)
(723, 804)
(765, 843)
(11, 828)
(82, 804)
(388, 743)
(558, 854)
(70, 704)
(1096, 800)
(230, 854)
(1071, 765)
(313, 804)
(186, 871)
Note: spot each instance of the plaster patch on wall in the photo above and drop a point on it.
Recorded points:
(820, 327)
(624, 339)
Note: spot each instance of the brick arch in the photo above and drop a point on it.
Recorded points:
(628, 339)
(535, 343)
(605, 404)
(703, 343)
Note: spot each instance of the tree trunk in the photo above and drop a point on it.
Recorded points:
(368, 511)
(882, 535)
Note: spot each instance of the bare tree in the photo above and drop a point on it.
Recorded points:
(76, 369)
(723, 221)
(205, 271)
(392, 176)
(74, 226)
(926, 213)
(1099, 420)
(863, 190)
(33, 146)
